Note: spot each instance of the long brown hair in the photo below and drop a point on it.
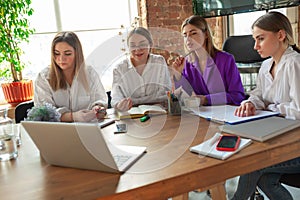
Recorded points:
(201, 24)
(274, 22)
(57, 79)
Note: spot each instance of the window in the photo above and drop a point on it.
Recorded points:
(95, 22)
(240, 24)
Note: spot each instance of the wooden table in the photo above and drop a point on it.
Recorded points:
(168, 169)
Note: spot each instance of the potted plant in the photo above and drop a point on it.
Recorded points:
(14, 30)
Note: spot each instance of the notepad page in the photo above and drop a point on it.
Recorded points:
(208, 148)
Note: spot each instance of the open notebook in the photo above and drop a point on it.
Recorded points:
(80, 145)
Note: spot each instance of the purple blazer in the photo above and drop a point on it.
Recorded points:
(221, 82)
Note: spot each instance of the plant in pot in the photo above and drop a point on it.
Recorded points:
(14, 30)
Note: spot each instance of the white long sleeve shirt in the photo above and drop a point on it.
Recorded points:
(281, 94)
(149, 87)
(75, 97)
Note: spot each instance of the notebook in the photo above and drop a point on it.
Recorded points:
(263, 129)
(141, 110)
(80, 145)
(208, 148)
(224, 114)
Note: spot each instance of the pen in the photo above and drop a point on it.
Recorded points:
(187, 54)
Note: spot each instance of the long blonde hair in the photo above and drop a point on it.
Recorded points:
(57, 79)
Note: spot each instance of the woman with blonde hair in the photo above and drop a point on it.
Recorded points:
(68, 84)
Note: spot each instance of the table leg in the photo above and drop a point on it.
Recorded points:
(218, 192)
(184, 196)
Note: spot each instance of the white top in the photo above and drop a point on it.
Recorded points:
(73, 98)
(149, 87)
(281, 94)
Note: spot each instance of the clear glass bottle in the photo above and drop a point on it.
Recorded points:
(8, 141)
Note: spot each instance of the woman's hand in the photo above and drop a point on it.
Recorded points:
(202, 98)
(245, 110)
(124, 104)
(84, 116)
(177, 67)
(100, 111)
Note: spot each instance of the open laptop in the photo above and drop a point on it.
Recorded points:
(80, 145)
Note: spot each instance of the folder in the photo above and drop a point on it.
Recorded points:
(263, 129)
(224, 114)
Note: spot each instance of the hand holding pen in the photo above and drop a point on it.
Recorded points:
(178, 65)
(124, 104)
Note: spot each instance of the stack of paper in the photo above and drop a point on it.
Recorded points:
(208, 148)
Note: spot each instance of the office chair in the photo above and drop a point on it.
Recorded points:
(247, 59)
(242, 48)
(22, 110)
(287, 179)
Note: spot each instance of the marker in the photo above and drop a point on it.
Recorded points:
(145, 118)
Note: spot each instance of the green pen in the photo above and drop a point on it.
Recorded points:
(145, 118)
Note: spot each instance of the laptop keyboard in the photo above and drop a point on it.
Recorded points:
(121, 159)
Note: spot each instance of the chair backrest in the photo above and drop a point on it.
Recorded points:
(242, 48)
(22, 110)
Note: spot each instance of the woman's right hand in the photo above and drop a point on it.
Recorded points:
(124, 104)
(178, 66)
(245, 110)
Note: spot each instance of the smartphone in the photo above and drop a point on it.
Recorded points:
(121, 128)
(228, 143)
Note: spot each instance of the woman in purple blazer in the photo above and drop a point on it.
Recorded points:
(208, 73)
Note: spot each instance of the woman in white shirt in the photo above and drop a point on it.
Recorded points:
(141, 78)
(68, 84)
(277, 90)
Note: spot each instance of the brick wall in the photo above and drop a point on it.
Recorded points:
(298, 26)
(164, 19)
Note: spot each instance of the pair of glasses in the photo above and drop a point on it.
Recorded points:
(141, 46)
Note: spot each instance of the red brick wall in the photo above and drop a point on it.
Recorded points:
(164, 19)
(298, 26)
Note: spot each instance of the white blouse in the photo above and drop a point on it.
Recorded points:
(281, 94)
(149, 87)
(73, 98)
